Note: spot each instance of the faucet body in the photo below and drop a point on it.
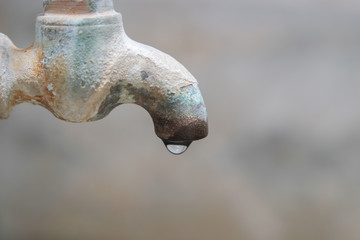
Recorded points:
(82, 65)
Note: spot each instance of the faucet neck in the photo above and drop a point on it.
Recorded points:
(77, 6)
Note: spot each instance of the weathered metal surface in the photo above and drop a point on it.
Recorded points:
(82, 65)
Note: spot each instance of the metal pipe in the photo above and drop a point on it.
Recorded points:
(82, 65)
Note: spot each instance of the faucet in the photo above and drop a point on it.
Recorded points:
(82, 65)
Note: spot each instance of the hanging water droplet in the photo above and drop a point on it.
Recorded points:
(177, 148)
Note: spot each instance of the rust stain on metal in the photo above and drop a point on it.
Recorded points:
(68, 7)
(82, 65)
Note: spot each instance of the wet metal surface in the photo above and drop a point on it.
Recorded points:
(82, 65)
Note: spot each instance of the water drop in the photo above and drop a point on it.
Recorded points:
(177, 147)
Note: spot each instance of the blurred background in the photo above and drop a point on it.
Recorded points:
(282, 161)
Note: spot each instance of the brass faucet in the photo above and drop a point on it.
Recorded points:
(82, 65)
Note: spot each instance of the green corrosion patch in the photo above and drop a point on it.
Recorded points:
(92, 5)
(95, 6)
(46, 3)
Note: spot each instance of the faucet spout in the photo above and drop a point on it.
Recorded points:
(161, 85)
(82, 65)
